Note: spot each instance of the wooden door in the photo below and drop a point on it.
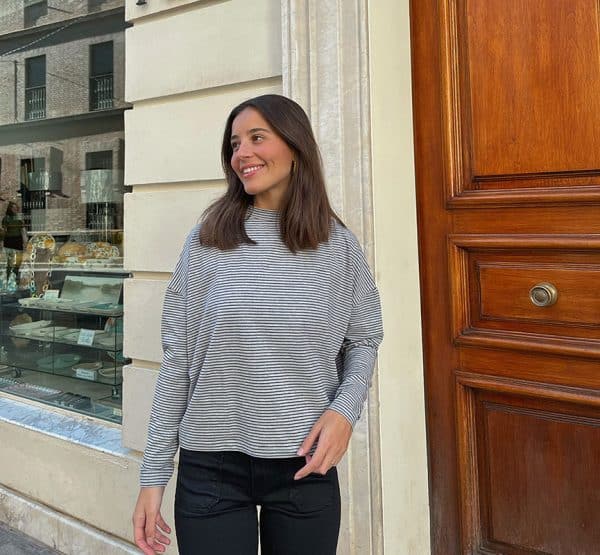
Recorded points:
(507, 149)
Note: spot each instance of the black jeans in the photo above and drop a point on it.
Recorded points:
(216, 498)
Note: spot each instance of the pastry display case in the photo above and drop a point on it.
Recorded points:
(61, 325)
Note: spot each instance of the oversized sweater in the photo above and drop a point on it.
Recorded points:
(258, 342)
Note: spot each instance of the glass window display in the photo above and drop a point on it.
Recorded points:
(61, 204)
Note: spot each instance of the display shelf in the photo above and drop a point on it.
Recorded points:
(76, 336)
(89, 399)
(56, 305)
(53, 306)
(116, 268)
(108, 345)
(77, 363)
(83, 231)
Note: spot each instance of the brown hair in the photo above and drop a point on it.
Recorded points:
(305, 214)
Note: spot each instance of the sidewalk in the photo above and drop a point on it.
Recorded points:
(13, 542)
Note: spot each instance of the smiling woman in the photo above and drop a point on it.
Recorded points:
(270, 137)
(271, 326)
(261, 159)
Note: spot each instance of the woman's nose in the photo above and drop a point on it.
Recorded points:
(243, 150)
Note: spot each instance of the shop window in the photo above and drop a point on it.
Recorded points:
(33, 10)
(61, 208)
(101, 76)
(35, 88)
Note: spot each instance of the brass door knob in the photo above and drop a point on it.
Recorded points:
(543, 294)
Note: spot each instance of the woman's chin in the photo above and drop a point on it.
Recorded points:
(253, 191)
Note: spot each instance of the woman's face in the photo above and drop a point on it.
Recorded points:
(261, 159)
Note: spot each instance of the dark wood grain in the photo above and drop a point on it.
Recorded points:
(431, 214)
(507, 136)
(534, 80)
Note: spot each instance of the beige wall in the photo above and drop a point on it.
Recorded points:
(96, 488)
(173, 136)
(404, 461)
(172, 163)
(173, 139)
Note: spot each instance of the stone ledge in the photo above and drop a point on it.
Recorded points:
(57, 530)
(82, 430)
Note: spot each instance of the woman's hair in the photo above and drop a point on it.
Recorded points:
(305, 212)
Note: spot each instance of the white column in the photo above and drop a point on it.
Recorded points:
(325, 69)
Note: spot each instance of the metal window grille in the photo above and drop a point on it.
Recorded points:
(101, 92)
(35, 103)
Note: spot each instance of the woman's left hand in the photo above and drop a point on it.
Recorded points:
(333, 432)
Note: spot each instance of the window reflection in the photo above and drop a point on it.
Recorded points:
(61, 202)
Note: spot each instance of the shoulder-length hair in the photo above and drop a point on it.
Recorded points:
(305, 214)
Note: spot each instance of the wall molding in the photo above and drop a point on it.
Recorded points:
(325, 68)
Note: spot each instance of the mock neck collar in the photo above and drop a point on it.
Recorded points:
(263, 214)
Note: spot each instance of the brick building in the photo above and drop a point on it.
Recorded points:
(61, 111)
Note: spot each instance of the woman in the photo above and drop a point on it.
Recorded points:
(13, 227)
(271, 324)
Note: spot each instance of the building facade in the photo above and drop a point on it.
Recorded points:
(187, 63)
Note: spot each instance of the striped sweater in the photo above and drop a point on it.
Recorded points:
(258, 342)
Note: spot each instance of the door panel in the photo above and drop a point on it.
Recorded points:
(533, 497)
(493, 277)
(534, 84)
(507, 136)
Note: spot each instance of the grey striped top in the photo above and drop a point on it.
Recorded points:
(258, 342)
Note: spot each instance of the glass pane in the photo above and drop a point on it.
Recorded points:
(62, 150)
(99, 160)
(33, 10)
(101, 58)
(35, 72)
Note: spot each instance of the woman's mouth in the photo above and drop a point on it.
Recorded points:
(249, 171)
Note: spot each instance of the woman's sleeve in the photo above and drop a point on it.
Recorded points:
(172, 386)
(358, 352)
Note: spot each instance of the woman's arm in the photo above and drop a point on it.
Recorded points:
(168, 407)
(357, 356)
(355, 360)
(170, 395)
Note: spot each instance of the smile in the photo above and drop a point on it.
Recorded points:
(251, 170)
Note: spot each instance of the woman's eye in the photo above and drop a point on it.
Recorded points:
(235, 146)
(257, 138)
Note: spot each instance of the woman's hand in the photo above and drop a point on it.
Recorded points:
(333, 431)
(149, 527)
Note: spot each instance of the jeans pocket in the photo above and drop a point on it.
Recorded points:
(199, 481)
(315, 492)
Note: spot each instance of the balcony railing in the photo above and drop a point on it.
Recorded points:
(99, 186)
(44, 180)
(101, 92)
(35, 103)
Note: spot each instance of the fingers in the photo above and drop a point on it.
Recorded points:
(151, 546)
(313, 463)
(162, 524)
(333, 433)
(139, 534)
(149, 537)
(146, 549)
(309, 468)
(160, 542)
(150, 528)
(310, 439)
